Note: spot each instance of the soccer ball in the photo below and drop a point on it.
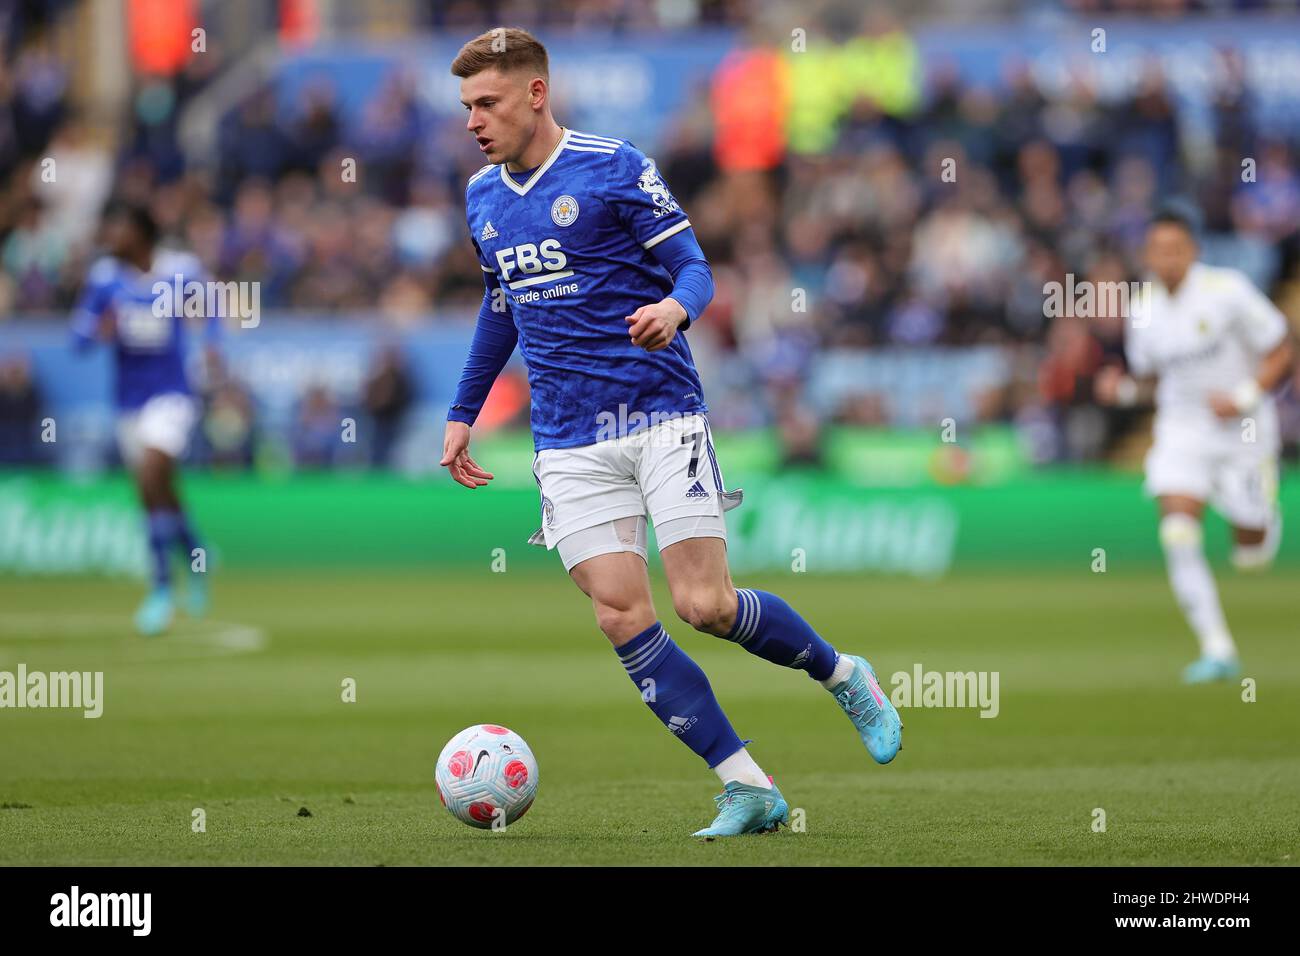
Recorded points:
(486, 776)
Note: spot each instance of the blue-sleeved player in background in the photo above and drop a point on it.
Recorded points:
(121, 305)
(592, 269)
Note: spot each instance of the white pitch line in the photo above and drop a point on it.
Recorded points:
(195, 638)
(225, 639)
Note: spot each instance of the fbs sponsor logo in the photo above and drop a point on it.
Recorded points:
(679, 725)
(922, 688)
(76, 690)
(102, 909)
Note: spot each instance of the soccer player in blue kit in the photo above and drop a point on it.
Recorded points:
(592, 269)
(156, 412)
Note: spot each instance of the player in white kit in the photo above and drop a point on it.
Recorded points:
(1215, 347)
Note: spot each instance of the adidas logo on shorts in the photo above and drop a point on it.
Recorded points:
(697, 491)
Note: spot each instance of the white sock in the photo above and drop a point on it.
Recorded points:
(843, 668)
(1193, 585)
(741, 768)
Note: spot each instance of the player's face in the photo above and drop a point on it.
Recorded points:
(1170, 252)
(500, 113)
(120, 237)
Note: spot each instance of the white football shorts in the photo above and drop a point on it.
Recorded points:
(1240, 484)
(668, 471)
(163, 422)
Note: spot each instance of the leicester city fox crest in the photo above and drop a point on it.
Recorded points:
(653, 185)
(564, 211)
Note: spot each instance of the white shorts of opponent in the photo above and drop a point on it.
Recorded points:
(1240, 484)
(163, 422)
(595, 498)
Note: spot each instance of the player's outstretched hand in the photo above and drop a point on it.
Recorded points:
(652, 327)
(456, 458)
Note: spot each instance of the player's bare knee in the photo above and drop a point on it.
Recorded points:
(711, 610)
(620, 624)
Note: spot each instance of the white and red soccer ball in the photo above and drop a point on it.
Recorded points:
(486, 776)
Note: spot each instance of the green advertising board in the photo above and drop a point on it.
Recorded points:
(796, 521)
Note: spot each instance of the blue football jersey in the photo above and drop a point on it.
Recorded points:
(570, 247)
(149, 347)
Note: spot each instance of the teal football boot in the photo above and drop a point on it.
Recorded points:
(1206, 670)
(746, 809)
(155, 614)
(871, 711)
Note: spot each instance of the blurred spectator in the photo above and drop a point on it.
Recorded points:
(798, 430)
(226, 434)
(20, 413)
(253, 144)
(387, 399)
(315, 131)
(318, 430)
(84, 179)
(40, 82)
(33, 254)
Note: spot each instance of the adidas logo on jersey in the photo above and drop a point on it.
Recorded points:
(697, 491)
(488, 231)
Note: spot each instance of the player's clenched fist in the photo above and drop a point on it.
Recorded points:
(1106, 385)
(456, 458)
(652, 327)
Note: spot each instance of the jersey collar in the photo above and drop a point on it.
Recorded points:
(1194, 272)
(555, 154)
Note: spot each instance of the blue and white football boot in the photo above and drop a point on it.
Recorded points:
(747, 809)
(155, 614)
(1206, 670)
(871, 711)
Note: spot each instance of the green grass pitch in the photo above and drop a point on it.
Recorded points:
(243, 717)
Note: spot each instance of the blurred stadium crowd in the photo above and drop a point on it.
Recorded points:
(841, 196)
